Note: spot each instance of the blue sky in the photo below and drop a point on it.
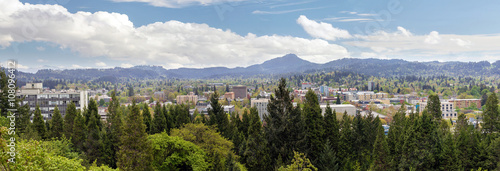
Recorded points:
(61, 34)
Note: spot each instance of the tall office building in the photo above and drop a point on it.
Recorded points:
(240, 91)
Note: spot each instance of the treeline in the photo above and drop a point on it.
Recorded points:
(136, 137)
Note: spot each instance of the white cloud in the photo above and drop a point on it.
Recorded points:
(41, 60)
(40, 48)
(19, 66)
(284, 11)
(322, 30)
(432, 38)
(180, 3)
(171, 43)
(100, 64)
(75, 66)
(402, 44)
(462, 43)
(126, 65)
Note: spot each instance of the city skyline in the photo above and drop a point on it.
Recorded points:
(69, 34)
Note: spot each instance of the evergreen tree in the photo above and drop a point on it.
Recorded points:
(135, 151)
(338, 99)
(24, 114)
(69, 120)
(4, 93)
(328, 159)
(284, 128)
(218, 117)
(491, 115)
(331, 127)
(93, 143)
(39, 124)
(380, 151)
(113, 132)
(79, 133)
(395, 138)
(182, 116)
(255, 154)
(56, 130)
(345, 141)
(314, 126)
(245, 123)
(147, 118)
(169, 117)
(130, 91)
(434, 107)
(159, 121)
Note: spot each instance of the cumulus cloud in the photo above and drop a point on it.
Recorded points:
(322, 30)
(180, 3)
(432, 38)
(171, 44)
(126, 65)
(402, 44)
(100, 64)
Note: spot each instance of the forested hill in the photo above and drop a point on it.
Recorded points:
(282, 65)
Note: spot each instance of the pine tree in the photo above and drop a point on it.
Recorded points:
(182, 116)
(113, 132)
(434, 107)
(4, 93)
(147, 118)
(338, 99)
(328, 159)
(39, 124)
(159, 121)
(345, 141)
(56, 130)
(255, 154)
(69, 120)
(331, 127)
(380, 151)
(93, 143)
(491, 115)
(79, 133)
(24, 114)
(135, 150)
(314, 126)
(284, 126)
(169, 117)
(395, 138)
(218, 117)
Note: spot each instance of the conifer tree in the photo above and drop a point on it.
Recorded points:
(159, 121)
(255, 154)
(79, 132)
(218, 117)
(113, 132)
(395, 137)
(182, 116)
(93, 143)
(331, 127)
(284, 128)
(338, 99)
(491, 115)
(24, 119)
(245, 123)
(69, 120)
(434, 107)
(56, 129)
(380, 151)
(169, 114)
(147, 118)
(345, 141)
(314, 126)
(328, 159)
(39, 124)
(135, 151)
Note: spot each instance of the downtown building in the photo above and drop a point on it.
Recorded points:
(35, 95)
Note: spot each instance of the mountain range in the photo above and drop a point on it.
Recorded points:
(288, 64)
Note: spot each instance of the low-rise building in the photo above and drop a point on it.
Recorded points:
(464, 103)
(341, 108)
(191, 98)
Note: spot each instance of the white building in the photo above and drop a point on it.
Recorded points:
(341, 108)
(261, 105)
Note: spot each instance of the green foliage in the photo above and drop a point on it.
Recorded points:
(255, 154)
(215, 146)
(284, 128)
(39, 124)
(218, 117)
(327, 159)
(147, 118)
(491, 115)
(56, 123)
(135, 150)
(314, 126)
(69, 120)
(174, 153)
(299, 162)
(159, 121)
